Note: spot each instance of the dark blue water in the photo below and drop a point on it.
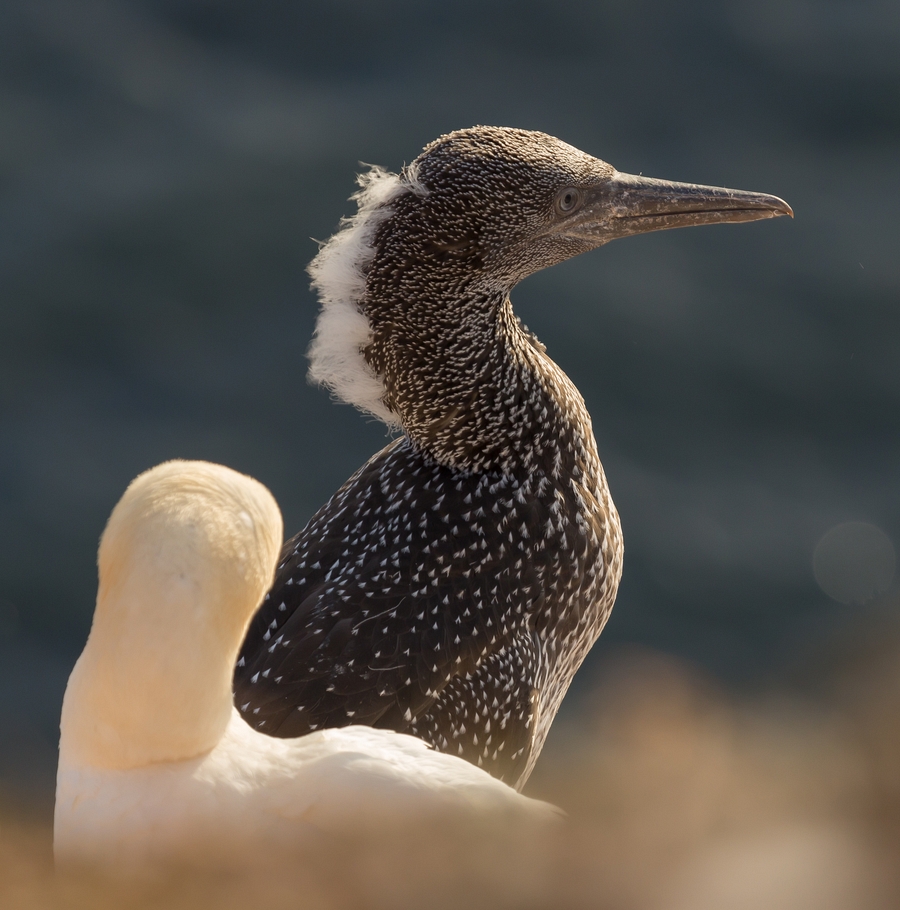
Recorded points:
(164, 166)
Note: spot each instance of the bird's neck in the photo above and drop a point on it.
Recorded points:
(152, 684)
(472, 387)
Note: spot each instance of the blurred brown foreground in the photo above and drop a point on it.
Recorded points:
(679, 797)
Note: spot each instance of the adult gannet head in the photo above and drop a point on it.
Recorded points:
(187, 556)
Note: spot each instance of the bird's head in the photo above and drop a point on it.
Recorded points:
(506, 203)
(431, 255)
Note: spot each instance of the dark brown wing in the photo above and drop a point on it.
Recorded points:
(399, 606)
(488, 717)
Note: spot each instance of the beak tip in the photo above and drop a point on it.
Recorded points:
(784, 209)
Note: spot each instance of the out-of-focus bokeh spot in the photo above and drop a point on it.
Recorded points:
(854, 562)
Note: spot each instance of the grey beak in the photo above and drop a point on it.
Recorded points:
(625, 204)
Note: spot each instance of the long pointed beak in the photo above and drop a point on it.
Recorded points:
(625, 204)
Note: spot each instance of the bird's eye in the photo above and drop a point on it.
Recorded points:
(568, 200)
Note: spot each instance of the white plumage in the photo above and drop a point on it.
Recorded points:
(338, 274)
(155, 763)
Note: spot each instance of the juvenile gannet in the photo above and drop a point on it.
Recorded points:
(452, 587)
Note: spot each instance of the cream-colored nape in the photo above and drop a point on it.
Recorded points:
(186, 557)
(154, 760)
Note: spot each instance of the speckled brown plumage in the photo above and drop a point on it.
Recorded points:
(452, 587)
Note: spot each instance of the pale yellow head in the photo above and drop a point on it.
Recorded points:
(186, 558)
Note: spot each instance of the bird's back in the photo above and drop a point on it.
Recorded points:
(252, 795)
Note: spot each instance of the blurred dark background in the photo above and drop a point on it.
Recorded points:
(164, 165)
